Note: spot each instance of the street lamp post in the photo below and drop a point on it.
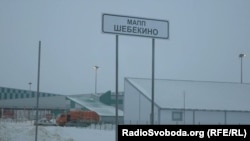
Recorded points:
(30, 85)
(96, 68)
(241, 71)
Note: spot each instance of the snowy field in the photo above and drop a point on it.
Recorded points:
(26, 131)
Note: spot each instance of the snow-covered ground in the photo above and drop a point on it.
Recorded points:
(26, 131)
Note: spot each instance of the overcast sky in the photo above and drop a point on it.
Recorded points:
(205, 40)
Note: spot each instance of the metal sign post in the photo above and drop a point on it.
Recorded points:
(116, 88)
(153, 83)
(38, 79)
(135, 26)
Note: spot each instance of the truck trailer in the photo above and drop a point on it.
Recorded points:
(77, 118)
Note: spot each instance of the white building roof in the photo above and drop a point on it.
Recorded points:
(196, 94)
(95, 105)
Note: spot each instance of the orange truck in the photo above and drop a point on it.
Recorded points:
(77, 118)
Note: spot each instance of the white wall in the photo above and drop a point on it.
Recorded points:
(205, 117)
(238, 117)
(131, 104)
(209, 117)
(145, 111)
(137, 107)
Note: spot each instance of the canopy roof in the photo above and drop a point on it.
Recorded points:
(91, 103)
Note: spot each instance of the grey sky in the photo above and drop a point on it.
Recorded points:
(206, 38)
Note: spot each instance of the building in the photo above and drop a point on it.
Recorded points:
(186, 102)
(22, 104)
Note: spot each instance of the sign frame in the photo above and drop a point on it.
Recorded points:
(135, 24)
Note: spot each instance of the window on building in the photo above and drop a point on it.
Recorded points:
(16, 96)
(177, 116)
(22, 95)
(5, 96)
(11, 96)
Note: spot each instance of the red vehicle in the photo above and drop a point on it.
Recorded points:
(8, 114)
(77, 118)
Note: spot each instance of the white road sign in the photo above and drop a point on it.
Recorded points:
(126, 25)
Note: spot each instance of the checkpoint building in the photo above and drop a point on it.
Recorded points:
(22, 104)
(186, 102)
